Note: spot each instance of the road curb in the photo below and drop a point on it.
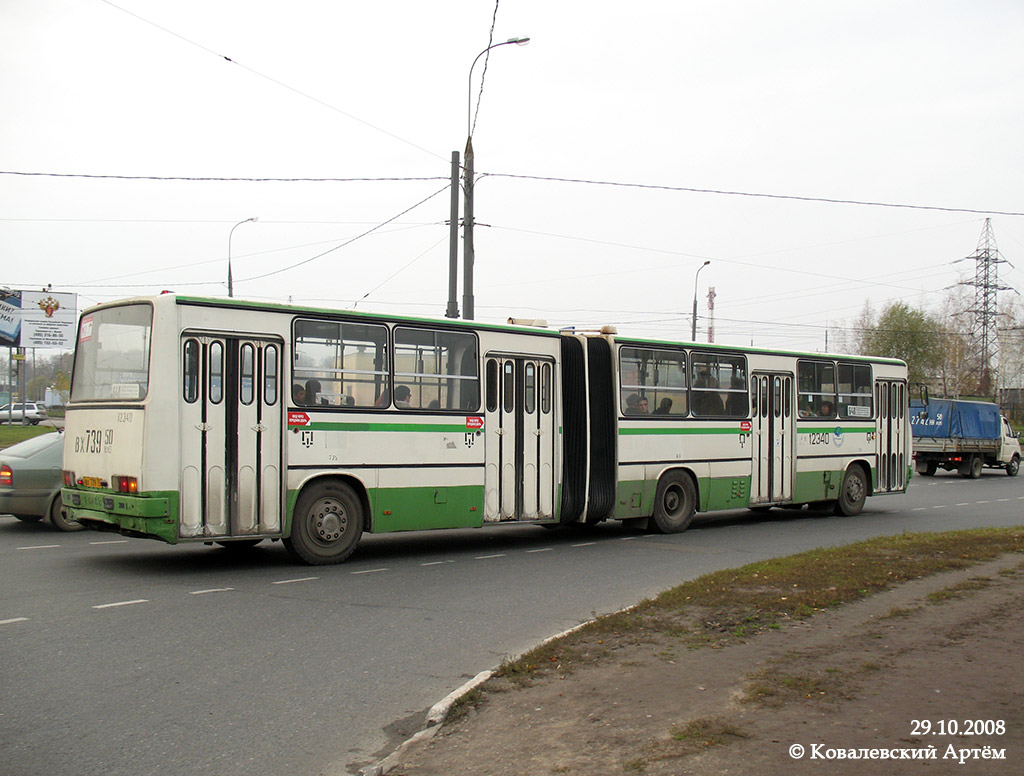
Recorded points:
(437, 712)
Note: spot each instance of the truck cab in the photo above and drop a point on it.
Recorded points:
(1009, 451)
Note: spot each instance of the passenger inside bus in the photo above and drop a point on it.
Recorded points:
(298, 394)
(313, 393)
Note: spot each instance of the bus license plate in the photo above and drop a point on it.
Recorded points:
(92, 482)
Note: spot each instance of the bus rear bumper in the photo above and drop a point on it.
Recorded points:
(150, 516)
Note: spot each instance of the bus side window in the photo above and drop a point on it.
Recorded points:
(531, 387)
(270, 375)
(492, 385)
(216, 372)
(190, 371)
(545, 388)
(246, 388)
(509, 386)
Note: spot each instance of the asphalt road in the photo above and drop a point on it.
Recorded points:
(131, 657)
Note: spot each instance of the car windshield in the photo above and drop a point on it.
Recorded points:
(33, 445)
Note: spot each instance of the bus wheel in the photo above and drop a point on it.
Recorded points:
(674, 505)
(852, 493)
(326, 525)
(1013, 466)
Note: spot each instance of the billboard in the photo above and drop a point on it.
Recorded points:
(37, 319)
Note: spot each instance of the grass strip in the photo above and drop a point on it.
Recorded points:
(732, 605)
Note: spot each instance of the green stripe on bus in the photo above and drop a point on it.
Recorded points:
(683, 430)
(833, 429)
(446, 428)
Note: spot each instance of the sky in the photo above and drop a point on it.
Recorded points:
(616, 153)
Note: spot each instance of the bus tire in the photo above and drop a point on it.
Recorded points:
(852, 492)
(674, 504)
(326, 525)
(1013, 466)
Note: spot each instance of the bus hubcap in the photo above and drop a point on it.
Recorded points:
(672, 501)
(329, 522)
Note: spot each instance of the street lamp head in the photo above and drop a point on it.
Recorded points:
(518, 41)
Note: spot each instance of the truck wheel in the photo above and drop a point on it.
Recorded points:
(927, 468)
(326, 525)
(1013, 466)
(976, 465)
(675, 504)
(852, 492)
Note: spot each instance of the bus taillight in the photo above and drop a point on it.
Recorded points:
(126, 484)
(69, 479)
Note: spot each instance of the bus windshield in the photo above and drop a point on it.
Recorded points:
(112, 356)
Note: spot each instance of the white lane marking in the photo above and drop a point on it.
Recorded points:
(13, 619)
(437, 562)
(980, 502)
(112, 541)
(918, 509)
(964, 504)
(211, 590)
(122, 603)
(290, 581)
(940, 506)
(1003, 499)
(39, 547)
(584, 544)
(543, 549)
(368, 571)
(627, 538)
(488, 557)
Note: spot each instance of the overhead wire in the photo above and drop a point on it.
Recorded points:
(763, 195)
(272, 80)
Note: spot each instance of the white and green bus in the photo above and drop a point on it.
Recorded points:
(232, 422)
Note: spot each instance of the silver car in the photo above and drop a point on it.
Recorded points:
(32, 412)
(31, 478)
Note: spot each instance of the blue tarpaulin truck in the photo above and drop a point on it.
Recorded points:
(962, 435)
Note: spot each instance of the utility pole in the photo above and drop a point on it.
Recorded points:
(467, 236)
(985, 308)
(711, 314)
(453, 244)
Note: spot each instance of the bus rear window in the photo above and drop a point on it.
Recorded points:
(112, 354)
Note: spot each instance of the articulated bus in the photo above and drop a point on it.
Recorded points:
(232, 422)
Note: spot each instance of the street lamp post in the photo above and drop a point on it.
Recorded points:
(468, 252)
(231, 287)
(693, 328)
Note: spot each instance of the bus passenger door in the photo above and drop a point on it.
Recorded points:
(772, 428)
(230, 436)
(890, 436)
(520, 439)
